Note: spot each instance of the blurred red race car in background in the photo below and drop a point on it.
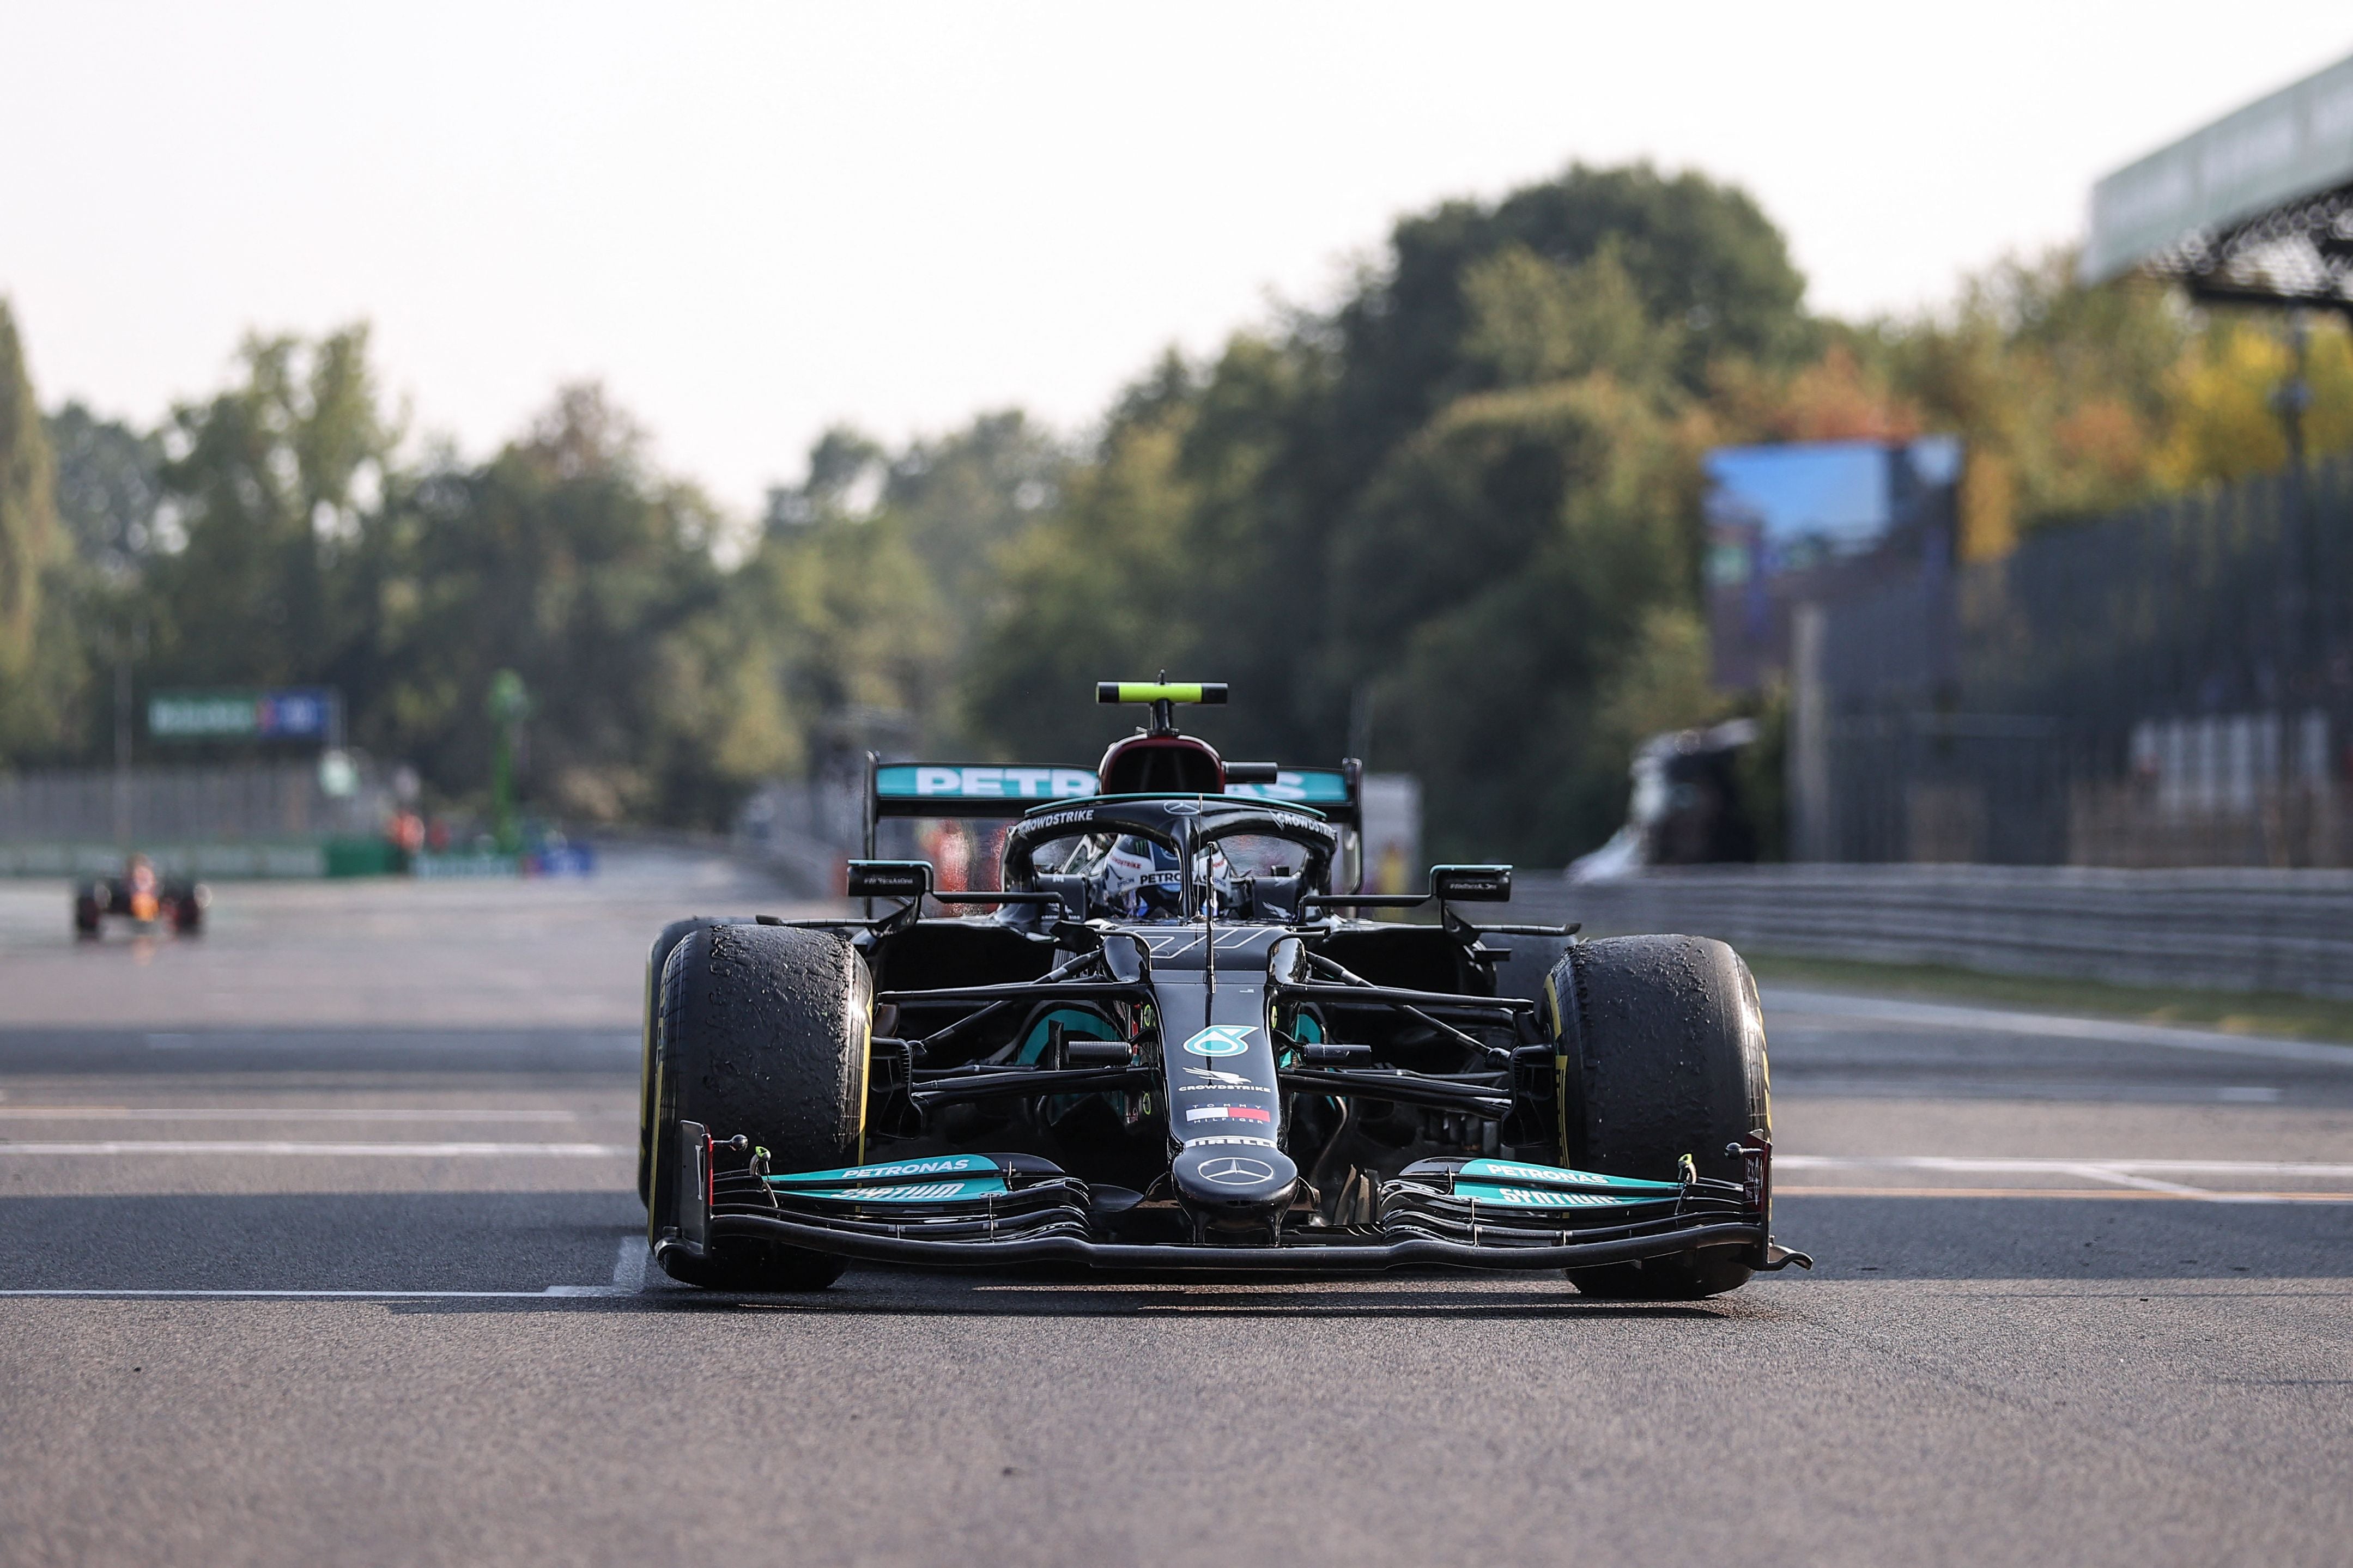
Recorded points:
(144, 897)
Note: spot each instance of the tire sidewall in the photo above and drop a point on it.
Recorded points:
(1662, 1054)
(765, 1031)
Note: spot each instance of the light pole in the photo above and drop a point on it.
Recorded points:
(508, 705)
(127, 645)
(2299, 633)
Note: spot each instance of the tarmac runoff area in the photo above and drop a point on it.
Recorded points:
(317, 1244)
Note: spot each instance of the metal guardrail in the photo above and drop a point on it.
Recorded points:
(238, 861)
(2224, 928)
(2166, 687)
(257, 803)
(804, 866)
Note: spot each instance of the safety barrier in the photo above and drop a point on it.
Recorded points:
(2227, 929)
(245, 803)
(226, 861)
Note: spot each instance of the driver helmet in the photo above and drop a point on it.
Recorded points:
(1215, 873)
(1139, 880)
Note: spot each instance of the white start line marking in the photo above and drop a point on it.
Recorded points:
(191, 1295)
(256, 1113)
(2140, 1176)
(630, 1267)
(1812, 1006)
(410, 1151)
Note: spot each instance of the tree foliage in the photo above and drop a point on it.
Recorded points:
(264, 484)
(108, 486)
(272, 534)
(1455, 520)
(28, 524)
(1450, 506)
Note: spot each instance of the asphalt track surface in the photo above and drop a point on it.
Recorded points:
(317, 1245)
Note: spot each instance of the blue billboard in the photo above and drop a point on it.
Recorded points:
(1813, 519)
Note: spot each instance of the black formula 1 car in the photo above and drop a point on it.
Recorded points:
(1172, 1043)
(149, 900)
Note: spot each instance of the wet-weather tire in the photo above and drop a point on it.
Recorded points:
(763, 1030)
(1663, 1040)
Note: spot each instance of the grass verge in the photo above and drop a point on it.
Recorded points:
(2234, 1012)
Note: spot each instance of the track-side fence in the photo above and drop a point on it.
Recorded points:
(2225, 929)
(252, 802)
(2168, 687)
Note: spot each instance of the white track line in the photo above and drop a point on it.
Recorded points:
(242, 1113)
(2046, 1194)
(1791, 1005)
(629, 1273)
(630, 1267)
(2147, 1183)
(2050, 1166)
(411, 1150)
(557, 1291)
(2142, 1175)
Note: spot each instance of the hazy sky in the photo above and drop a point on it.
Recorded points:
(751, 221)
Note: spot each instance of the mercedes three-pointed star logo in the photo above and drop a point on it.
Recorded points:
(1233, 1171)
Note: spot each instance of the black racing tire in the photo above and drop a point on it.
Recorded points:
(763, 1030)
(672, 936)
(1663, 1041)
(86, 916)
(1531, 960)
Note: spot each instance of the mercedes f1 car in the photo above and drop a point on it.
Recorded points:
(1170, 1040)
(149, 900)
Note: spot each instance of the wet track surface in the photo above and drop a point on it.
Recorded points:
(317, 1244)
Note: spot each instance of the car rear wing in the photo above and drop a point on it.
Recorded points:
(1006, 790)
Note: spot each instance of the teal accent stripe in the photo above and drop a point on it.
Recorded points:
(1076, 1026)
(1299, 787)
(1552, 1198)
(946, 1190)
(982, 781)
(930, 1169)
(1519, 1174)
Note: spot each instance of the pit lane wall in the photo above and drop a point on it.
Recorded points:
(2224, 928)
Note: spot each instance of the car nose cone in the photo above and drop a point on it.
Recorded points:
(1241, 1177)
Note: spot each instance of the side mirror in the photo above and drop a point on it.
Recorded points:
(1253, 772)
(1470, 884)
(909, 879)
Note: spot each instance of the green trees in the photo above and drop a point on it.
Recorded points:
(1458, 515)
(273, 534)
(1067, 600)
(1494, 585)
(1453, 522)
(42, 662)
(564, 559)
(270, 485)
(28, 519)
(1456, 520)
(109, 486)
